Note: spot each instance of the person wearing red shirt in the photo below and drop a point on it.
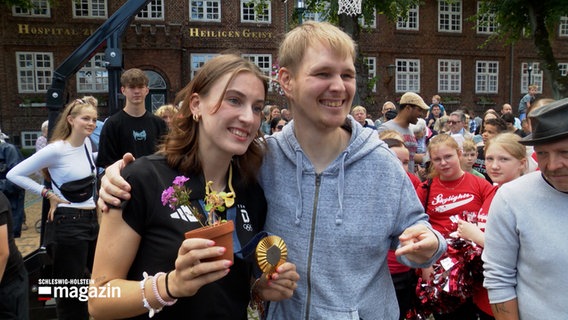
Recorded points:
(451, 192)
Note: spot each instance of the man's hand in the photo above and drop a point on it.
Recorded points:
(418, 243)
(113, 186)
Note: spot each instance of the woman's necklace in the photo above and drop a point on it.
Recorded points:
(454, 183)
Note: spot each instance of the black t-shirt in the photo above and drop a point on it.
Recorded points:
(123, 133)
(15, 261)
(162, 230)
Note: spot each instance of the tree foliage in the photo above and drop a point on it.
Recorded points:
(22, 3)
(517, 19)
(533, 19)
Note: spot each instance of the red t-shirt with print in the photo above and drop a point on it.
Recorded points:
(462, 197)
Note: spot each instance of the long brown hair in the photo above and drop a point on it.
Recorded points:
(181, 144)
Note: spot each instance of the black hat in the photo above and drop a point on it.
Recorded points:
(549, 123)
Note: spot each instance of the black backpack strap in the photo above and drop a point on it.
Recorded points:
(427, 186)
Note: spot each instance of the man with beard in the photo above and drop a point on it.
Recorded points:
(412, 107)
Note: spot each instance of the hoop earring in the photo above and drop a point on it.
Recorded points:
(195, 117)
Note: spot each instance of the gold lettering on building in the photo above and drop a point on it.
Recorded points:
(245, 33)
(26, 29)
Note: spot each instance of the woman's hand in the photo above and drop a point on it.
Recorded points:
(470, 231)
(191, 273)
(279, 285)
(54, 201)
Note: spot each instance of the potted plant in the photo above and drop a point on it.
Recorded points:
(214, 228)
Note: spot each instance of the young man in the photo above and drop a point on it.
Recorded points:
(337, 234)
(412, 107)
(525, 239)
(133, 129)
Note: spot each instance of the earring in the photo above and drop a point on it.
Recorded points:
(195, 117)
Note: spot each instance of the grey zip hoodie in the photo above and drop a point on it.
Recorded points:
(339, 225)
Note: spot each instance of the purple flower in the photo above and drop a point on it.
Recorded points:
(180, 181)
(167, 195)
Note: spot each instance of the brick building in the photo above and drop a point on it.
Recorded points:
(436, 50)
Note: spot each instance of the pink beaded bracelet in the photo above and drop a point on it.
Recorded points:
(157, 294)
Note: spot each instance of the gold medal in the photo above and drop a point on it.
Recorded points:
(270, 252)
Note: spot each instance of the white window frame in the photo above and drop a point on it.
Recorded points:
(210, 10)
(197, 60)
(486, 24)
(449, 75)
(248, 10)
(371, 63)
(563, 27)
(263, 62)
(35, 71)
(93, 76)
(536, 76)
(28, 139)
(563, 68)
(486, 76)
(412, 21)
(153, 11)
(41, 9)
(407, 75)
(92, 9)
(450, 16)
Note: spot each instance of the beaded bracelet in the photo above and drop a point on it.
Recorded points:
(157, 293)
(45, 193)
(151, 311)
(168, 287)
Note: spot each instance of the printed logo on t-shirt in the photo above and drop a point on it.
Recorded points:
(442, 204)
(244, 215)
(139, 136)
(184, 214)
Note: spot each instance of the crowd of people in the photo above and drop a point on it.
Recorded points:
(370, 211)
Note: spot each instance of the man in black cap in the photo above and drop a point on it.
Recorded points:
(525, 256)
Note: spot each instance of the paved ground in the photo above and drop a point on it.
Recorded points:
(29, 241)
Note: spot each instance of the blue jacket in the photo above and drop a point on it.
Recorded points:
(339, 225)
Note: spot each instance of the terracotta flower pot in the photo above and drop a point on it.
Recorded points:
(222, 234)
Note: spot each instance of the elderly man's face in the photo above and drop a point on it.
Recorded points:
(455, 124)
(553, 163)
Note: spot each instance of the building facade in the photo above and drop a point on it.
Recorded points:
(435, 50)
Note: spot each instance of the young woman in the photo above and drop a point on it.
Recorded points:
(451, 192)
(506, 160)
(214, 138)
(66, 160)
(491, 128)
